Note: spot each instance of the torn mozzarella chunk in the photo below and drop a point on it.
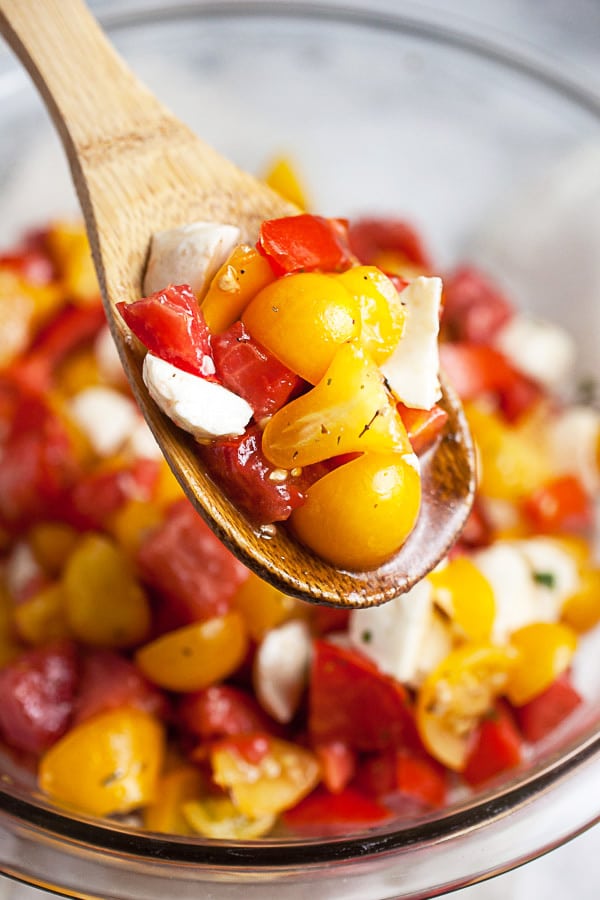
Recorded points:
(105, 416)
(395, 634)
(555, 575)
(412, 369)
(190, 255)
(573, 441)
(281, 669)
(540, 349)
(511, 578)
(108, 359)
(204, 408)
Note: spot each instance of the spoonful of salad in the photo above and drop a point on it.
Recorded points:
(288, 386)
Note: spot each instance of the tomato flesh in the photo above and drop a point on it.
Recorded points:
(496, 747)
(540, 716)
(305, 243)
(170, 325)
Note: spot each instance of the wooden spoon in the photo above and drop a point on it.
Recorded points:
(137, 170)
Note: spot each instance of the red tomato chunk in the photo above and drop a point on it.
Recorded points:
(305, 243)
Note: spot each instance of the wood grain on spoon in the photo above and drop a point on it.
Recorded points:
(137, 170)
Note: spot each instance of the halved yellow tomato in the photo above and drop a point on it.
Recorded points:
(219, 818)
(466, 596)
(381, 312)
(545, 651)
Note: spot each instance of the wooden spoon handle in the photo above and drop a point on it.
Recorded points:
(95, 100)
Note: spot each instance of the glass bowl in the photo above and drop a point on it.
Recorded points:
(496, 159)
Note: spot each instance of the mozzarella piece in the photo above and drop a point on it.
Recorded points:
(105, 416)
(143, 443)
(511, 577)
(558, 575)
(190, 255)
(108, 359)
(412, 369)
(281, 669)
(395, 634)
(540, 349)
(204, 408)
(573, 440)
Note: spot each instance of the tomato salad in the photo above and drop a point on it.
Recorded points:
(144, 670)
(301, 374)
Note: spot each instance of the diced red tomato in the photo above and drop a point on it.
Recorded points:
(170, 325)
(252, 372)
(477, 531)
(71, 329)
(323, 813)
(304, 243)
(98, 495)
(220, 711)
(406, 772)
(350, 700)
(38, 464)
(109, 681)
(32, 263)
(189, 567)
(240, 466)
(371, 237)
(338, 765)
(38, 695)
(561, 505)
(474, 308)
(422, 426)
(545, 712)
(475, 369)
(496, 747)
(326, 619)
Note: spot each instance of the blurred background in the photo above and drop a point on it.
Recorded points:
(565, 36)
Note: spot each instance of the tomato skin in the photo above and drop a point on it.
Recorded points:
(540, 716)
(38, 463)
(475, 369)
(370, 237)
(97, 496)
(253, 373)
(496, 746)
(561, 505)
(242, 469)
(305, 243)
(108, 681)
(545, 651)
(38, 696)
(407, 772)
(322, 813)
(220, 711)
(73, 327)
(351, 701)
(195, 575)
(170, 325)
(474, 309)
(423, 427)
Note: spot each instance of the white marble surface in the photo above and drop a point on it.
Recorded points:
(565, 33)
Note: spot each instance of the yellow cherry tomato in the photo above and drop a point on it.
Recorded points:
(581, 611)
(217, 817)
(108, 764)
(302, 320)
(71, 253)
(511, 463)
(132, 522)
(455, 696)
(466, 596)
(77, 372)
(381, 312)
(264, 607)
(238, 280)
(174, 789)
(42, 617)
(52, 544)
(279, 779)
(197, 655)
(360, 514)
(105, 604)
(282, 177)
(545, 651)
(349, 410)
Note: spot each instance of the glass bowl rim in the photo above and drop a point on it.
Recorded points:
(490, 805)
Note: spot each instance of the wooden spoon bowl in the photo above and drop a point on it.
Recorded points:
(137, 170)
